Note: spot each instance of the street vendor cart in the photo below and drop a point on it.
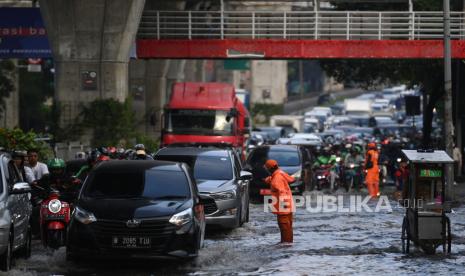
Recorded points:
(425, 222)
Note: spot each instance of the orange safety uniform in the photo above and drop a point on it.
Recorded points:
(283, 202)
(372, 177)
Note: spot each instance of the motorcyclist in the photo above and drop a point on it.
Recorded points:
(326, 158)
(352, 163)
(92, 159)
(19, 158)
(140, 153)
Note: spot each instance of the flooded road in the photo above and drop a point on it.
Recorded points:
(324, 243)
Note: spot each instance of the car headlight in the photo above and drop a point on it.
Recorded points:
(321, 177)
(399, 160)
(352, 166)
(182, 218)
(338, 159)
(54, 206)
(84, 216)
(231, 194)
(297, 174)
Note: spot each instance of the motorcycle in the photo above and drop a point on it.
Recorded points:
(353, 176)
(55, 215)
(54, 207)
(383, 173)
(322, 176)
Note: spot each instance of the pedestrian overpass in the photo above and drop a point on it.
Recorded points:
(297, 34)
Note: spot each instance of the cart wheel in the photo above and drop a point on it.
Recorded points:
(405, 237)
(449, 236)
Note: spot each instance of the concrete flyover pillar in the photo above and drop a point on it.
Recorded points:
(91, 42)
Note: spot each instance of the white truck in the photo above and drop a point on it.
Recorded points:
(358, 107)
(294, 122)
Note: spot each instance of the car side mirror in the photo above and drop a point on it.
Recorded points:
(247, 168)
(20, 188)
(245, 175)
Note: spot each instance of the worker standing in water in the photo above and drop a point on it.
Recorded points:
(282, 198)
(372, 169)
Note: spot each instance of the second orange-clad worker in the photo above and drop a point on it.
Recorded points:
(282, 197)
(371, 166)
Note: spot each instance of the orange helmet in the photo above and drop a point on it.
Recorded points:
(371, 145)
(271, 164)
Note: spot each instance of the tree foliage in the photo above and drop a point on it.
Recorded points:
(109, 120)
(17, 139)
(418, 5)
(112, 123)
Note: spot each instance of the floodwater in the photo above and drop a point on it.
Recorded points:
(324, 244)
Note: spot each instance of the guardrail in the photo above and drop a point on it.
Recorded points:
(345, 25)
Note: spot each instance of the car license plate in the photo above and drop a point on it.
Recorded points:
(131, 242)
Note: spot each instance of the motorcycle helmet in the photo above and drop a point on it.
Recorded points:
(56, 166)
(371, 145)
(139, 147)
(93, 156)
(80, 155)
(104, 151)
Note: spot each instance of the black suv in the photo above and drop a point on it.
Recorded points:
(222, 184)
(137, 209)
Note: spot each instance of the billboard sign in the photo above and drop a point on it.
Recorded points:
(22, 34)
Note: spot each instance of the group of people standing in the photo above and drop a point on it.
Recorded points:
(29, 166)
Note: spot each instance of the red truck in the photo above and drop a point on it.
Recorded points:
(205, 113)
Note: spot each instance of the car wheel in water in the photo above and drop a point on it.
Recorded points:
(6, 258)
(27, 247)
(239, 221)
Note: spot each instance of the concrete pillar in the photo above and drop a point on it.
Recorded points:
(90, 41)
(156, 87)
(10, 115)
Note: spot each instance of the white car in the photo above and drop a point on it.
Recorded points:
(305, 139)
(323, 109)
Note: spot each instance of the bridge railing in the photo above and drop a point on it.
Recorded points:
(345, 25)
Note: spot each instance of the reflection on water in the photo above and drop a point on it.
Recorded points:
(325, 243)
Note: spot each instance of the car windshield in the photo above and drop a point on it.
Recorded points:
(152, 184)
(285, 157)
(204, 167)
(204, 122)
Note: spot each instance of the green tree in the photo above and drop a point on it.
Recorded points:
(17, 139)
(109, 120)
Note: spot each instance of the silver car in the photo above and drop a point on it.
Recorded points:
(222, 184)
(15, 213)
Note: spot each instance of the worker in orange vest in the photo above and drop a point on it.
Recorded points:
(282, 198)
(372, 169)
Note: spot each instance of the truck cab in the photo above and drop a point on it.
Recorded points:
(205, 113)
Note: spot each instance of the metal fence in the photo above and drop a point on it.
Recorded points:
(345, 25)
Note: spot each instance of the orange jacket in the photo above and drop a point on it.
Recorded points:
(373, 172)
(280, 192)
